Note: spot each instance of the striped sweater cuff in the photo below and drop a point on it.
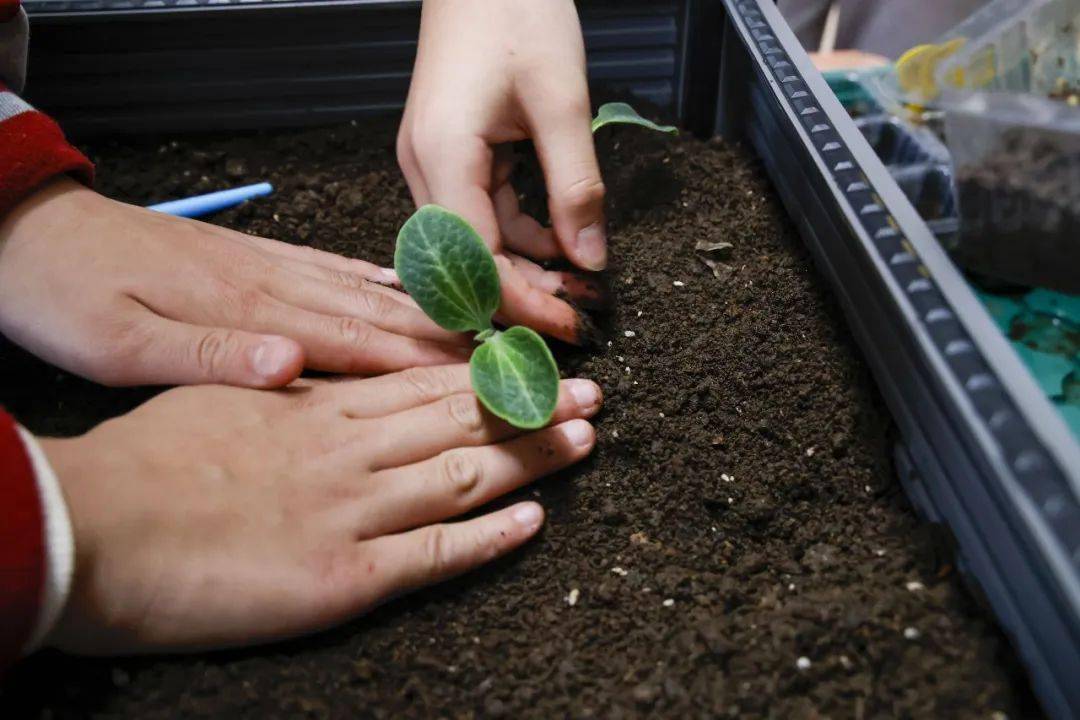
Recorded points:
(8, 9)
(22, 545)
(32, 151)
(59, 544)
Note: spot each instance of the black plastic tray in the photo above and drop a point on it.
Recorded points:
(119, 66)
(982, 451)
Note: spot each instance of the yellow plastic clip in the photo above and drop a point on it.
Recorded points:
(916, 69)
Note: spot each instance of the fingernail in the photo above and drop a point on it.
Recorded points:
(579, 432)
(585, 394)
(270, 356)
(529, 516)
(387, 276)
(592, 247)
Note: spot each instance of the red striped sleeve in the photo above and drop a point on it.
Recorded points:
(32, 151)
(22, 544)
(8, 8)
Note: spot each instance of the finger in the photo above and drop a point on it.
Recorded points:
(462, 479)
(388, 394)
(460, 420)
(320, 258)
(381, 309)
(389, 282)
(410, 166)
(564, 144)
(587, 291)
(435, 553)
(520, 232)
(344, 344)
(176, 353)
(523, 304)
(380, 277)
(458, 175)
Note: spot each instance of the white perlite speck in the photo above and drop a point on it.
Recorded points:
(803, 663)
(618, 571)
(670, 602)
(914, 586)
(630, 333)
(911, 633)
(679, 283)
(572, 598)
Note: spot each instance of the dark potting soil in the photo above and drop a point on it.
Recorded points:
(1020, 212)
(737, 545)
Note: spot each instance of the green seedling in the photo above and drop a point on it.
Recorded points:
(617, 112)
(445, 266)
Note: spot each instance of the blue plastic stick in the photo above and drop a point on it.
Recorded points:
(212, 202)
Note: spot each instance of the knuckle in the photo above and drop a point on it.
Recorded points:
(115, 362)
(427, 383)
(587, 192)
(438, 550)
(461, 473)
(244, 300)
(354, 332)
(575, 104)
(465, 411)
(345, 279)
(375, 306)
(333, 575)
(429, 158)
(213, 350)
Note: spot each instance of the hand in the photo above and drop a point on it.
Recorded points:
(217, 516)
(127, 296)
(487, 74)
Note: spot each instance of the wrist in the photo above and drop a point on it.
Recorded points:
(40, 213)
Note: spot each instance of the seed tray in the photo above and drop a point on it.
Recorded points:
(982, 451)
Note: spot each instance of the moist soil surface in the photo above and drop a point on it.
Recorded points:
(738, 543)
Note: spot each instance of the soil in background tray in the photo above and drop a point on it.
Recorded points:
(738, 542)
(1020, 211)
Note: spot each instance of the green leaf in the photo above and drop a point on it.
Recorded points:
(618, 112)
(445, 266)
(515, 376)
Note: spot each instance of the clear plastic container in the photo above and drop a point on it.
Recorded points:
(1010, 96)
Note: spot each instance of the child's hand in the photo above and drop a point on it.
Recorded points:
(217, 516)
(127, 296)
(489, 73)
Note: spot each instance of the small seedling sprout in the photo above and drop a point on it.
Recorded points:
(445, 266)
(621, 113)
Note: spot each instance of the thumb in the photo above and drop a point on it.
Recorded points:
(183, 354)
(564, 144)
